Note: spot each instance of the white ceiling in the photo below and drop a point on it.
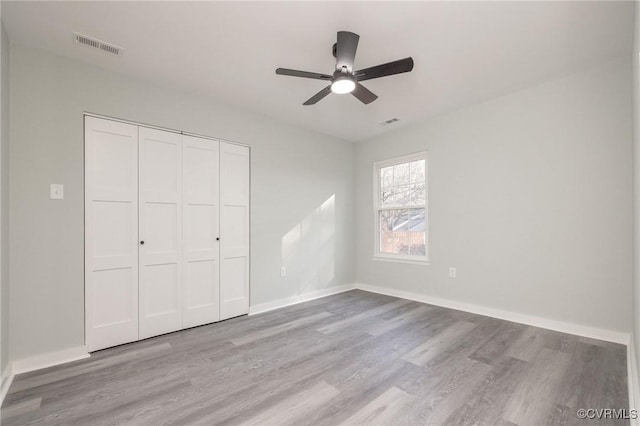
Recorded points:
(464, 52)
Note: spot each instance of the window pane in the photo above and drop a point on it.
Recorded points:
(401, 174)
(402, 231)
(394, 242)
(386, 186)
(418, 245)
(417, 220)
(386, 220)
(386, 177)
(402, 195)
(417, 227)
(417, 171)
(418, 195)
(387, 198)
(401, 220)
(400, 243)
(394, 220)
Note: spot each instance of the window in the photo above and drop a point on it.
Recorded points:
(400, 203)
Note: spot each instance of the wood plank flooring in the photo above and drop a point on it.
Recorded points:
(353, 358)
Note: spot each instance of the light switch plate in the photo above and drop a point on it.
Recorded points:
(57, 191)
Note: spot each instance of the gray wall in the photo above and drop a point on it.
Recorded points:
(302, 184)
(4, 198)
(635, 57)
(530, 197)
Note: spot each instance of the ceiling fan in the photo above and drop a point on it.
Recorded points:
(344, 78)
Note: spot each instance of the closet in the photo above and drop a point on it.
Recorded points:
(166, 231)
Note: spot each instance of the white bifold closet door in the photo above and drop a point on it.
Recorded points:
(201, 215)
(160, 157)
(111, 233)
(166, 234)
(234, 231)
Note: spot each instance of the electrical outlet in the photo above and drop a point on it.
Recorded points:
(452, 272)
(283, 271)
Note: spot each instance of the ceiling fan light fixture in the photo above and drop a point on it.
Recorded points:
(342, 85)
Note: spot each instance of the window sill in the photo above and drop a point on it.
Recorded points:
(425, 262)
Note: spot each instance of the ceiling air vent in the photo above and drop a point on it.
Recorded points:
(98, 44)
(390, 121)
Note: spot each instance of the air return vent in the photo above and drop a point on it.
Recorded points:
(390, 121)
(98, 44)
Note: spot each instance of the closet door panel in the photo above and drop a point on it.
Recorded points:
(234, 230)
(160, 232)
(201, 291)
(111, 233)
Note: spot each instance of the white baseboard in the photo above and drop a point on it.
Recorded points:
(305, 297)
(561, 326)
(5, 382)
(632, 380)
(50, 359)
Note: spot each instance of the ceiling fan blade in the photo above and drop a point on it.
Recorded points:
(365, 95)
(346, 50)
(321, 94)
(391, 68)
(304, 74)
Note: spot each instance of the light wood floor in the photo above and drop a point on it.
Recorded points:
(352, 358)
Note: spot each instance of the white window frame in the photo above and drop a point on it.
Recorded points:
(400, 258)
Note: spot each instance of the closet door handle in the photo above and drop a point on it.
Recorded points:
(217, 238)
(141, 243)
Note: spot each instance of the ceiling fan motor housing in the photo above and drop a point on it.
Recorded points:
(342, 73)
